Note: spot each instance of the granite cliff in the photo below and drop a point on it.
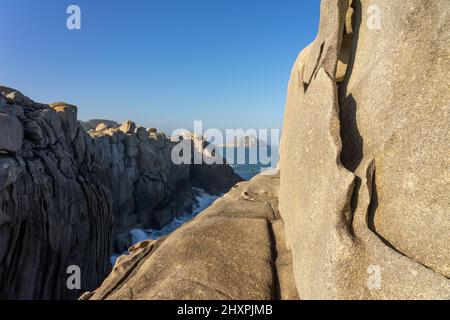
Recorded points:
(69, 197)
(363, 182)
(368, 105)
(358, 210)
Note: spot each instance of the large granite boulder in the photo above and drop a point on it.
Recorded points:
(364, 153)
(233, 250)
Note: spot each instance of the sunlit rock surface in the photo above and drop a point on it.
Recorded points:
(233, 250)
(364, 154)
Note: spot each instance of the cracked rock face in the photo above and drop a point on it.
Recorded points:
(233, 250)
(149, 189)
(70, 198)
(52, 213)
(11, 131)
(364, 183)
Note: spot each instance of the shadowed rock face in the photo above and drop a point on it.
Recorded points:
(53, 214)
(148, 189)
(364, 154)
(68, 197)
(233, 250)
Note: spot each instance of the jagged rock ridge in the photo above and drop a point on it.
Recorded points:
(53, 214)
(65, 195)
(148, 189)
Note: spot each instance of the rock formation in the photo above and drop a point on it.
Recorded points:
(245, 141)
(94, 123)
(363, 186)
(364, 179)
(148, 188)
(53, 214)
(366, 126)
(68, 197)
(233, 250)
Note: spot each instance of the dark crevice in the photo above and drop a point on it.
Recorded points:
(352, 141)
(371, 211)
(274, 257)
(353, 206)
(306, 85)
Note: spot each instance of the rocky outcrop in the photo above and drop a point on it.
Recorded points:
(11, 132)
(69, 198)
(364, 153)
(364, 176)
(233, 250)
(245, 141)
(149, 190)
(363, 188)
(94, 123)
(53, 214)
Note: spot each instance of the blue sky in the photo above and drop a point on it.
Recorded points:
(161, 63)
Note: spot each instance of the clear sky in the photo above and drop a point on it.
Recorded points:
(161, 63)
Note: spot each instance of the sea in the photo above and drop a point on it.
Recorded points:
(246, 162)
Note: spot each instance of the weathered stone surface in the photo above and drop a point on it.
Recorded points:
(68, 116)
(401, 115)
(379, 202)
(102, 126)
(128, 127)
(227, 252)
(3, 103)
(11, 133)
(61, 189)
(17, 97)
(53, 214)
(315, 215)
(142, 133)
(92, 124)
(149, 190)
(9, 171)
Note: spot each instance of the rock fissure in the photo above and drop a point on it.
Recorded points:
(384, 113)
